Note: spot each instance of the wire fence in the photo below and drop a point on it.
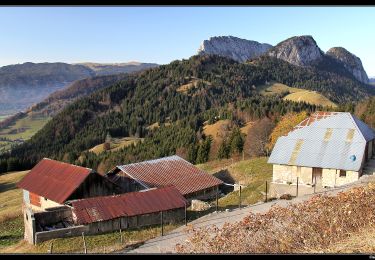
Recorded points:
(120, 241)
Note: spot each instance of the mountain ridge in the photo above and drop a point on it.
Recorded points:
(298, 50)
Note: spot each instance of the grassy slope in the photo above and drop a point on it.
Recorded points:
(11, 221)
(28, 126)
(116, 144)
(277, 88)
(296, 94)
(253, 173)
(24, 129)
(218, 131)
(311, 97)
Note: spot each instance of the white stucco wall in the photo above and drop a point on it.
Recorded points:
(330, 177)
(46, 203)
(288, 173)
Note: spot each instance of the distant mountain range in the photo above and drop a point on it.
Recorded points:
(301, 51)
(23, 85)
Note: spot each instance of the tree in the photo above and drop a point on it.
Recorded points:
(285, 125)
(224, 150)
(258, 137)
(236, 141)
(192, 153)
(204, 150)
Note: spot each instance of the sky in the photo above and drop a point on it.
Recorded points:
(164, 34)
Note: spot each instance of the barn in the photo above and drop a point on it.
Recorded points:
(327, 149)
(47, 187)
(130, 210)
(190, 181)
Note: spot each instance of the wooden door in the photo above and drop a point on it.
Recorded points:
(317, 175)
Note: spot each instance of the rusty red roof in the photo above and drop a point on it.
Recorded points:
(54, 180)
(172, 170)
(96, 209)
(318, 115)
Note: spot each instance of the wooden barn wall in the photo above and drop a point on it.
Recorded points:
(94, 186)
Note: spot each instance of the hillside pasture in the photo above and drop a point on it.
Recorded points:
(296, 94)
(116, 144)
(311, 97)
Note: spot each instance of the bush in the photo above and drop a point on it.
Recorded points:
(286, 197)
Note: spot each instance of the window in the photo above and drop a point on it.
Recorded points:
(342, 173)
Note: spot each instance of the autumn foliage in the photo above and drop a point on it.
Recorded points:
(285, 125)
(310, 226)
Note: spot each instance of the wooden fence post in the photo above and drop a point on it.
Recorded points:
(217, 199)
(315, 184)
(84, 243)
(240, 197)
(51, 248)
(162, 227)
(297, 188)
(266, 190)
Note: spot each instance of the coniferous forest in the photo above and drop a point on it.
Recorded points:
(214, 87)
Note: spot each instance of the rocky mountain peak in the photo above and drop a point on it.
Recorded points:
(351, 62)
(232, 47)
(297, 50)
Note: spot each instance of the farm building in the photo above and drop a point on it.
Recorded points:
(50, 184)
(130, 210)
(331, 148)
(189, 180)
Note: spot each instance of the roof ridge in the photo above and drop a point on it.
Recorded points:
(156, 160)
(45, 158)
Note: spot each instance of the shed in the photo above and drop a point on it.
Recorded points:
(188, 179)
(133, 209)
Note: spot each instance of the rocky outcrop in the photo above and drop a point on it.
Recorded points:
(235, 48)
(299, 50)
(351, 62)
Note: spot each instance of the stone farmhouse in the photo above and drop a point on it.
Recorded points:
(328, 149)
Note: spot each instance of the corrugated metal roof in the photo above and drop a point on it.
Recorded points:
(329, 140)
(172, 170)
(54, 180)
(96, 209)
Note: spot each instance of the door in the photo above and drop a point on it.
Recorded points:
(317, 175)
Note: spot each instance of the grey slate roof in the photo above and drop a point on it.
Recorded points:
(327, 140)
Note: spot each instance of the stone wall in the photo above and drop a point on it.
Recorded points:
(289, 174)
(331, 177)
(60, 233)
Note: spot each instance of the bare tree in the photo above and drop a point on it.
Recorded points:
(258, 137)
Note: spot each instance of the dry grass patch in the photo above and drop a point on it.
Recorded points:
(10, 195)
(191, 85)
(311, 97)
(116, 144)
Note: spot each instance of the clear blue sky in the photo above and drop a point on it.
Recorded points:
(163, 34)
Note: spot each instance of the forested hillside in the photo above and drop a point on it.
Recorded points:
(222, 88)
